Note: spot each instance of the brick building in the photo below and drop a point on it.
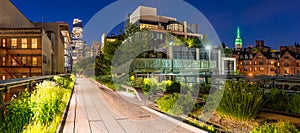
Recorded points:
(261, 60)
(26, 49)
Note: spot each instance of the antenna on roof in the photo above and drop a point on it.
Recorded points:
(43, 20)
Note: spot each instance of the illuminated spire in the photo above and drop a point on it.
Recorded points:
(238, 32)
(238, 41)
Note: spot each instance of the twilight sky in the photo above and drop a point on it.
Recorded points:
(275, 21)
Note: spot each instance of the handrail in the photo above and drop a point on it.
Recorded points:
(16, 81)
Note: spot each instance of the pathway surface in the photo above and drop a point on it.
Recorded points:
(92, 111)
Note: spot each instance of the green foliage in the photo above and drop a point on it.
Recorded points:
(36, 127)
(84, 65)
(186, 101)
(195, 122)
(46, 100)
(294, 104)
(240, 101)
(150, 86)
(173, 88)
(176, 104)
(18, 114)
(103, 62)
(277, 99)
(279, 127)
(202, 87)
(166, 102)
(38, 111)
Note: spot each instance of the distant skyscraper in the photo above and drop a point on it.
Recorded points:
(77, 29)
(238, 41)
(81, 49)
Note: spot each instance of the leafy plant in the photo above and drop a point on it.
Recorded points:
(40, 111)
(173, 88)
(294, 104)
(277, 99)
(18, 113)
(240, 101)
(176, 104)
(166, 102)
(279, 127)
(201, 125)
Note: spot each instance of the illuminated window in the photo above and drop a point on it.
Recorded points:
(33, 43)
(13, 62)
(261, 69)
(272, 62)
(3, 61)
(3, 42)
(148, 26)
(24, 76)
(3, 77)
(14, 43)
(278, 64)
(24, 43)
(286, 71)
(34, 61)
(23, 61)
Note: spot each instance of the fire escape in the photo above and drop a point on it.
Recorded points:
(10, 52)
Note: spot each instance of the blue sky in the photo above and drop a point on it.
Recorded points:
(275, 21)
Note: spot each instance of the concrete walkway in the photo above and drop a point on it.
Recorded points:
(88, 113)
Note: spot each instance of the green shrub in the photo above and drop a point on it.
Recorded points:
(45, 101)
(195, 122)
(186, 101)
(176, 104)
(240, 101)
(150, 86)
(18, 113)
(203, 88)
(173, 88)
(279, 127)
(37, 112)
(166, 102)
(294, 104)
(277, 99)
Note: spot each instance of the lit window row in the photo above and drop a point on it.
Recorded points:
(24, 43)
(24, 61)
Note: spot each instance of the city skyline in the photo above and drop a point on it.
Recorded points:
(272, 21)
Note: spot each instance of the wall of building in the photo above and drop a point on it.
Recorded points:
(47, 53)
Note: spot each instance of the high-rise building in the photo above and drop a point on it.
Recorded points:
(238, 41)
(77, 42)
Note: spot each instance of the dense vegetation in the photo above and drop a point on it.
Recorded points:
(40, 110)
(241, 101)
(279, 127)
